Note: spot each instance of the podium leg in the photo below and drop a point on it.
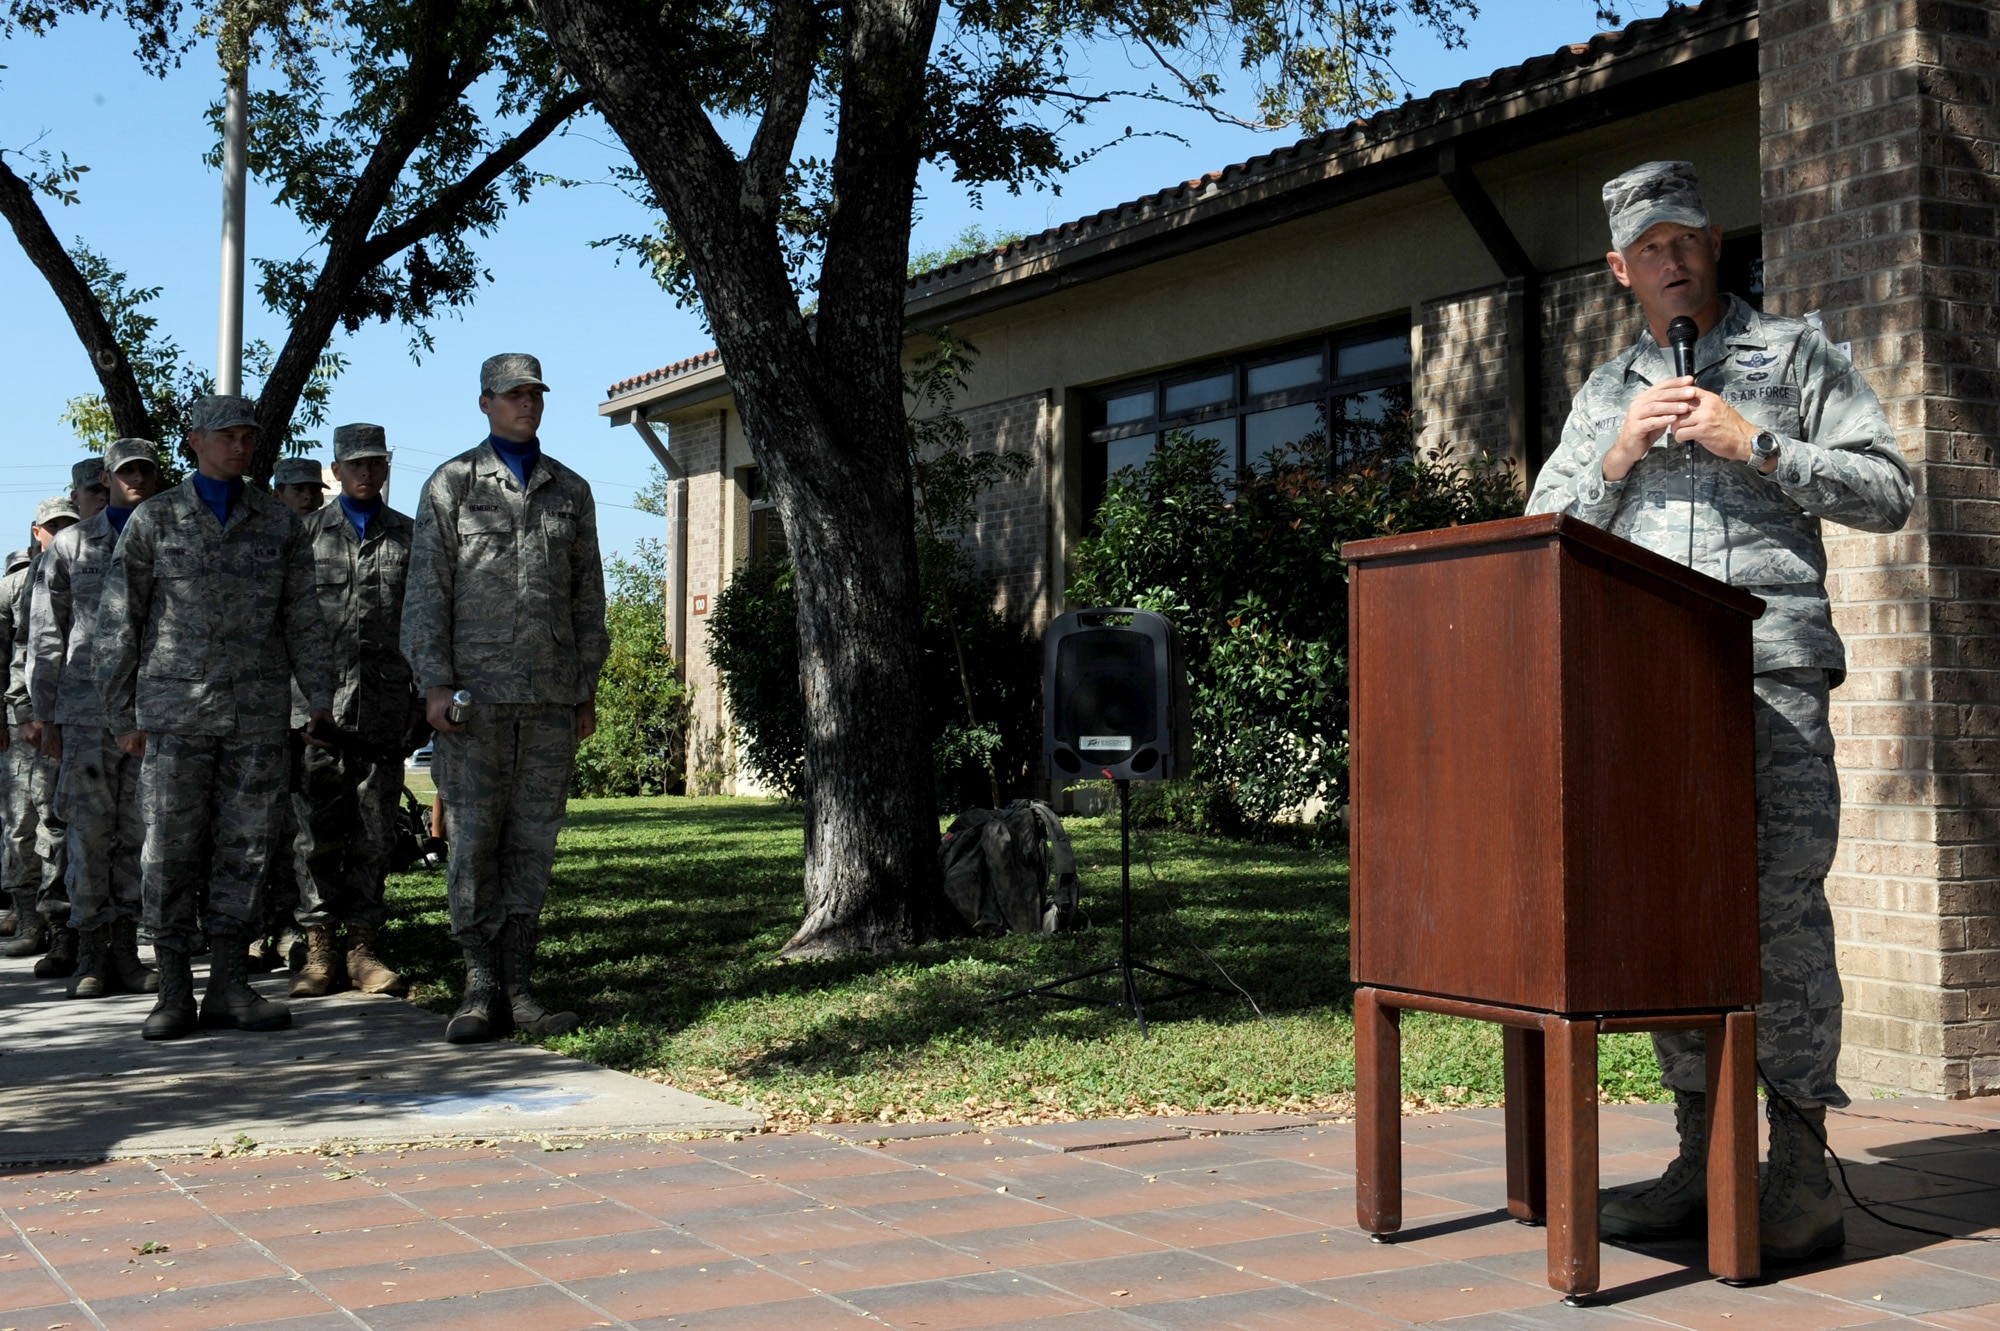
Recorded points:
(1732, 1149)
(1527, 1124)
(1378, 1111)
(1571, 1062)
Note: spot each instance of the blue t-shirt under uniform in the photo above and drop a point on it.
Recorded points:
(520, 458)
(359, 513)
(220, 496)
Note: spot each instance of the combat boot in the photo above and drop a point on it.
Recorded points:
(519, 938)
(31, 931)
(8, 919)
(1677, 1202)
(60, 963)
(320, 975)
(291, 949)
(173, 1015)
(94, 977)
(1798, 1210)
(230, 1003)
(262, 958)
(473, 1023)
(133, 976)
(364, 969)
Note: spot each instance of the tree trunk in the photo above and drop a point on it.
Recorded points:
(824, 416)
(114, 372)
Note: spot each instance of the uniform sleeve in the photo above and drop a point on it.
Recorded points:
(307, 640)
(121, 624)
(1847, 468)
(427, 599)
(586, 596)
(48, 633)
(21, 672)
(1572, 480)
(16, 714)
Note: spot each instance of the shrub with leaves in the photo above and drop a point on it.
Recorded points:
(1257, 588)
(640, 747)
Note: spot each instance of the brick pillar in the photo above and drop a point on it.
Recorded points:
(1880, 152)
(1466, 389)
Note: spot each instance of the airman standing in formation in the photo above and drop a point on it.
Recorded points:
(506, 602)
(347, 795)
(208, 616)
(1774, 432)
(20, 867)
(37, 849)
(97, 787)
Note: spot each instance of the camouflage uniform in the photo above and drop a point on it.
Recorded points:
(347, 797)
(202, 628)
(20, 866)
(1838, 460)
(97, 790)
(506, 599)
(39, 849)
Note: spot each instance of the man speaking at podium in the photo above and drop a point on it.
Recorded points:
(1730, 470)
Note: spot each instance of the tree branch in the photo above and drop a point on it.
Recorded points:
(114, 373)
(431, 218)
(794, 35)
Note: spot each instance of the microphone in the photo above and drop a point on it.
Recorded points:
(1681, 335)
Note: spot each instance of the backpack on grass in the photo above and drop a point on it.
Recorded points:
(1011, 870)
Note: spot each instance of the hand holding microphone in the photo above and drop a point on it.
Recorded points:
(1678, 409)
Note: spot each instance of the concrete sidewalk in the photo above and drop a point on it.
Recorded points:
(1154, 1225)
(77, 1082)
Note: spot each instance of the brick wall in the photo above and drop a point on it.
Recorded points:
(1587, 318)
(1010, 537)
(1464, 384)
(1880, 149)
(697, 442)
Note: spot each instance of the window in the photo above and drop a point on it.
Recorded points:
(1346, 397)
(767, 534)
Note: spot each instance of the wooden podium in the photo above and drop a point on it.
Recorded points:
(1554, 828)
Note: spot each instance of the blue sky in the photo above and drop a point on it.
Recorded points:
(152, 206)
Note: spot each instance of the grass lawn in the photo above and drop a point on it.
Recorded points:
(666, 915)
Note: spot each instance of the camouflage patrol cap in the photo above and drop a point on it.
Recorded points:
(360, 440)
(298, 471)
(510, 369)
(55, 509)
(86, 473)
(127, 451)
(1649, 194)
(219, 411)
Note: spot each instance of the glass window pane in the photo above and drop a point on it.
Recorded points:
(1129, 407)
(1131, 451)
(1283, 374)
(1203, 392)
(1385, 353)
(1269, 434)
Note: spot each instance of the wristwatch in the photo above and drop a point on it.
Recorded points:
(1763, 448)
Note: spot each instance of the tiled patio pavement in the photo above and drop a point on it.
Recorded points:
(1192, 1223)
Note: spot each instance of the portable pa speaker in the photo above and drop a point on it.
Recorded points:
(1114, 697)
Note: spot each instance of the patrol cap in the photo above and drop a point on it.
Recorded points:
(220, 411)
(86, 473)
(1649, 194)
(126, 451)
(298, 471)
(510, 369)
(55, 509)
(360, 441)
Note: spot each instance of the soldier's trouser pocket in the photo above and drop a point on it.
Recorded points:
(505, 786)
(98, 793)
(209, 804)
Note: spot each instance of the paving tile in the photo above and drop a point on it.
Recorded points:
(1271, 1309)
(1172, 1157)
(984, 1300)
(786, 1232)
(902, 1185)
(895, 1132)
(159, 1202)
(1253, 1179)
(958, 1215)
(882, 1262)
(1095, 1319)
(1965, 1319)
(1692, 1300)
(1095, 1135)
(455, 1274)
(578, 1220)
(804, 1314)
(678, 1206)
(44, 1315)
(1981, 1164)
(1902, 1285)
(527, 1308)
(1482, 1234)
(244, 1303)
(1432, 1292)
(1148, 1277)
(1057, 1240)
(613, 1254)
(189, 1234)
(329, 1249)
(120, 1273)
(376, 1209)
(983, 1147)
(496, 1198)
(1304, 1258)
(727, 1283)
(1212, 1223)
(31, 1287)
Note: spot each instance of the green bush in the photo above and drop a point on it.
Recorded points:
(1255, 583)
(753, 638)
(640, 747)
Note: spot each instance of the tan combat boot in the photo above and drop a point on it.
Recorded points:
(320, 975)
(1677, 1202)
(1798, 1210)
(364, 969)
(94, 977)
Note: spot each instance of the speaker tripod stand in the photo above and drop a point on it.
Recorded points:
(1126, 968)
